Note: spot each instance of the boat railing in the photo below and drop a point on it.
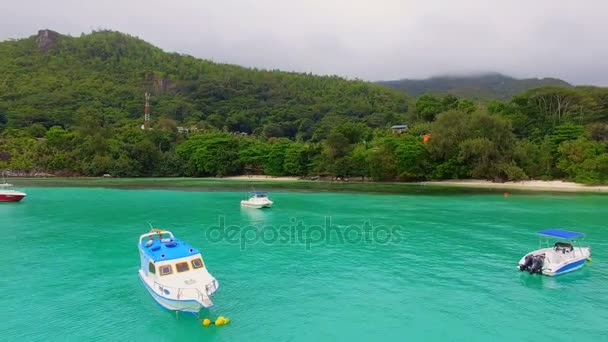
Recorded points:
(201, 296)
(155, 232)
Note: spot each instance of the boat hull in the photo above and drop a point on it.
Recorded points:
(568, 267)
(248, 204)
(11, 197)
(188, 306)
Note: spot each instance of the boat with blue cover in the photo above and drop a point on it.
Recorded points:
(564, 256)
(174, 272)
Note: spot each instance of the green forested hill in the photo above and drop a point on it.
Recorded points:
(104, 75)
(74, 106)
(480, 87)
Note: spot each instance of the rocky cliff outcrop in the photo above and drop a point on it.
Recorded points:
(46, 39)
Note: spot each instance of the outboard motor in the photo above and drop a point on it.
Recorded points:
(527, 263)
(537, 264)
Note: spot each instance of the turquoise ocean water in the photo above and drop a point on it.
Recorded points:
(317, 266)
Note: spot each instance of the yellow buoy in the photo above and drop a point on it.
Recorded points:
(206, 321)
(589, 259)
(219, 321)
(226, 320)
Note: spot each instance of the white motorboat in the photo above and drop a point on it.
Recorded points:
(174, 273)
(9, 194)
(563, 257)
(257, 200)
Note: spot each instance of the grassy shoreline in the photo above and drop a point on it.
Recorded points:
(270, 184)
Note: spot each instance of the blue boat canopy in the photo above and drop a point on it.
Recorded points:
(560, 233)
(167, 249)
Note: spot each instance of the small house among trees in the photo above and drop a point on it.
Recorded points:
(399, 128)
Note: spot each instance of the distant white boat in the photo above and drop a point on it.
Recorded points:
(257, 200)
(174, 273)
(563, 257)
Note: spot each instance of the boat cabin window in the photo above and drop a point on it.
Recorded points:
(151, 268)
(165, 269)
(197, 263)
(182, 267)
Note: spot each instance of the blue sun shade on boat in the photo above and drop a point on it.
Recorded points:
(560, 233)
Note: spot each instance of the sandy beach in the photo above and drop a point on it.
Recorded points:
(262, 178)
(293, 183)
(532, 185)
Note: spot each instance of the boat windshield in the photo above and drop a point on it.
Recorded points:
(258, 194)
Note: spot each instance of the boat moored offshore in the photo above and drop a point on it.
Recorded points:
(8, 193)
(174, 272)
(565, 256)
(258, 200)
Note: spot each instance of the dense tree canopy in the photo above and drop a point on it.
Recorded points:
(76, 107)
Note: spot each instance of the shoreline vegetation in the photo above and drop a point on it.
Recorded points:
(107, 103)
(261, 182)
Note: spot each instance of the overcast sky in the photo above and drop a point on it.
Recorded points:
(371, 40)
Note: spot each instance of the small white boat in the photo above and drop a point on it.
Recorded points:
(174, 273)
(258, 200)
(562, 258)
